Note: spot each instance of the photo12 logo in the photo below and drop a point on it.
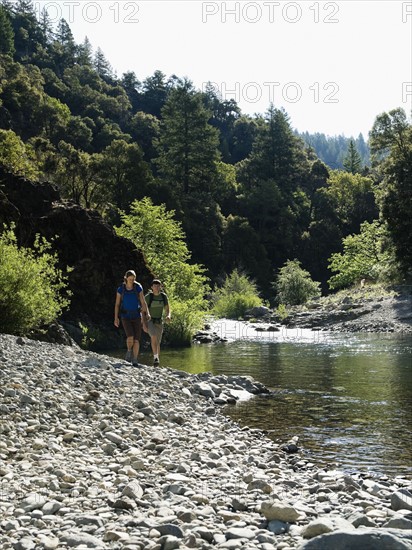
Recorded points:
(91, 12)
(406, 92)
(406, 12)
(272, 92)
(270, 12)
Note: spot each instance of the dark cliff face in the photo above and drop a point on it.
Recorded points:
(83, 241)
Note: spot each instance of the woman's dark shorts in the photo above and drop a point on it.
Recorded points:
(133, 327)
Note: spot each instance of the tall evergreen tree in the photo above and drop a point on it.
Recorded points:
(124, 174)
(64, 47)
(27, 31)
(244, 133)
(6, 33)
(85, 53)
(363, 150)
(132, 87)
(277, 153)
(188, 145)
(46, 26)
(188, 164)
(317, 179)
(333, 149)
(352, 162)
(155, 91)
(102, 66)
(224, 115)
(272, 179)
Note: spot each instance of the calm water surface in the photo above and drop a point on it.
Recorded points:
(347, 396)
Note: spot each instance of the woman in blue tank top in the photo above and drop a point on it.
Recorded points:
(129, 303)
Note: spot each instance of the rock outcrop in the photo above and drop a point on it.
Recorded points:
(83, 240)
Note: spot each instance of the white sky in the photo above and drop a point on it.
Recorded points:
(334, 66)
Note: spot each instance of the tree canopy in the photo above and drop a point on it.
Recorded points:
(248, 192)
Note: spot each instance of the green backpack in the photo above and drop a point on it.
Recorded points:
(151, 295)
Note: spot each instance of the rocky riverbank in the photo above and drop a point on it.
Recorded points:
(95, 453)
(357, 313)
(371, 309)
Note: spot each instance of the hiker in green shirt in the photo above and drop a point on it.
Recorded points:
(157, 303)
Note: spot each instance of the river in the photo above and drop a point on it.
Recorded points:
(347, 396)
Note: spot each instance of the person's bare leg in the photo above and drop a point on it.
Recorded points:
(129, 346)
(155, 345)
(136, 347)
(155, 348)
(129, 343)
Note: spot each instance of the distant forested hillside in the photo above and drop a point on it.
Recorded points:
(250, 194)
(333, 150)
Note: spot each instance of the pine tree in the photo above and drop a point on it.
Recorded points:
(352, 162)
(277, 153)
(27, 31)
(132, 87)
(155, 92)
(64, 47)
(46, 25)
(6, 33)
(272, 180)
(102, 66)
(85, 53)
(363, 149)
(188, 146)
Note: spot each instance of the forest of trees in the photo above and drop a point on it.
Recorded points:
(249, 192)
(333, 150)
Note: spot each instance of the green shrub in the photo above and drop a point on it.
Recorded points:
(282, 312)
(161, 238)
(32, 290)
(93, 338)
(365, 255)
(237, 295)
(294, 285)
(187, 318)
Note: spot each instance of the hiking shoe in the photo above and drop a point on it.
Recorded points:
(135, 363)
(156, 361)
(128, 357)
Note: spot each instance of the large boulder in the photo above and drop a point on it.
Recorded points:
(258, 311)
(401, 500)
(361, 539)
(83, 241)
(279, 510)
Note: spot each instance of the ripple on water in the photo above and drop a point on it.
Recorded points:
(327, 386)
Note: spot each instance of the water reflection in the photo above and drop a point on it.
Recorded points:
(348, 397)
